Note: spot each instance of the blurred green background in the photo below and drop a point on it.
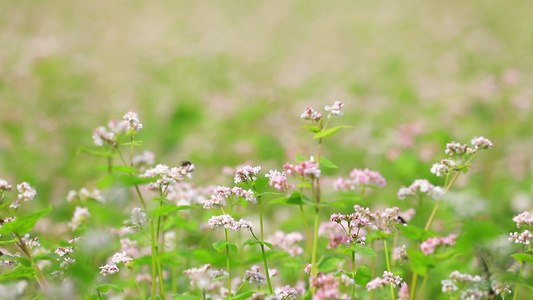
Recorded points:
(223, 82)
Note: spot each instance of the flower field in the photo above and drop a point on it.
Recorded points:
(276, 150)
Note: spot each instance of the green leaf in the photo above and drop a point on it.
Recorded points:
(300, 158)
(250, 242)
(245, 295)
(123, 169)
(25, 223)
(329, 132)
(18, 271)
(324, 163)
(330, 263)
(414, 233)
(419, 262)
(8, 242)
(314, 129)
(261, 183)
(22, 260)
(221, 246)
(45, 256)
(366, 251)
(166, 209)
(95, 152)
(362, 276)
(104, 288)
(522, 257)
(108, 181)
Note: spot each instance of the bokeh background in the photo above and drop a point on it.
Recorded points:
(223, 82)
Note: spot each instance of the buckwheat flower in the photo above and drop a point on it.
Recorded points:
(287, 293)
(523, 218)
(307, 269)
(67, 261)
(117, 127)
(158, 170)
(137, 218)
(472, 294)
(400, 253)
(456, 149)
(278, 180)
(429, 246)
(386, 221)
(522, 238)
(448, 286)
(500, 287)
(310, 114)
(246, 173)
(304, 169)
(367, 177)
(30, 243)
(4, 186)
(375, 283)
(121, 257)
(26, 191)
(75, 240)
(326, 286)
(390, 278)
(248, 195)
(202, 277)
(62, 251)
(336, 239)
(287, 242)
(460, 277)
(58, 275)
(481, 143)
(108, 269)
(133, 121)
(334, 110)
(80, 215)
(102, 136)
(403, 292)
(242, 224)
(147, 158)
(253, 276)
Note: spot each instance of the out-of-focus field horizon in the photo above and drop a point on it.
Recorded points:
(220, 83)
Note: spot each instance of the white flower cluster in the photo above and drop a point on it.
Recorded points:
(421, 186)
(229, 222)
(166, 175)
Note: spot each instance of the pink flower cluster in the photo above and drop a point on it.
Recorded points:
(166, 175)
(306, 168)
(360, 177)
(386, 279)
(311, 114)
(326, 286)
(253, 276)
(335, 109)
(229, 222)
(109, 269)
(523, 218)
(445, 167)
(522, 238)
(278, 180)
(103, 135)
(287, 242)
(246, 173)
(420, 186)
(288, 292)
(430, 245)
(5, 186)
(26, 193)
(202, 277)
(223, 194)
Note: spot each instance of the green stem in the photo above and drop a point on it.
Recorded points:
(518, 282)
(434, 212)
(353, 273)
(423, 287)
(226, 231)
(263, 247)
(387, 259)
(413, 286)
(306, 226)
(39, 276)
